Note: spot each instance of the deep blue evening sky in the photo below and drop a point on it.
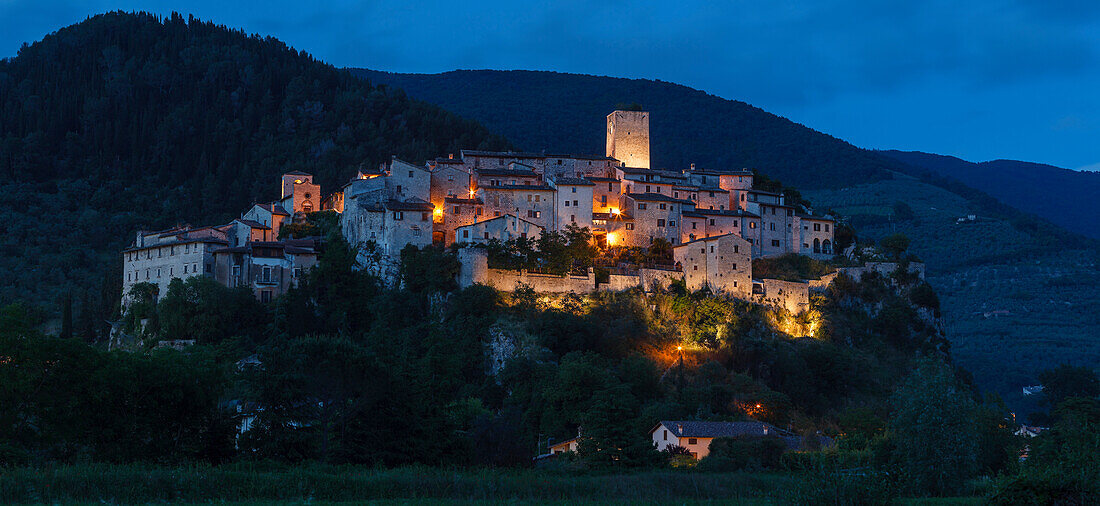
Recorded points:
(978, 79)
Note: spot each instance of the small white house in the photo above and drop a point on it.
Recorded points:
(569, 445)
(696, 436)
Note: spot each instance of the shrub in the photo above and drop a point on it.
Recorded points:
(743, 453)
(924, 296)
(1046, 487)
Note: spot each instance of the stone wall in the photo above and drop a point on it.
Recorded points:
(651, 278)
(620, 282)
(883, 268)
(794, 296)
(543, 283)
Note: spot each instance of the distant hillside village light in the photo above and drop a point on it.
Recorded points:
(716, 221)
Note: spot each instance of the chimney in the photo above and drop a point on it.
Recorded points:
(680, 428)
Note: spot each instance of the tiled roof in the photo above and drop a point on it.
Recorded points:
(610, 217)
(725, 212)
(502, 154)
(574, 181)
(603, 179)
(274, 209)
(460, 200)
(297, 173)
(505, 172)
(501, 217)
(658, 197)
(411, 205)
(813, 217)
(254, 224)
(704, 239)
(521, 154)
(519, 187)
(721, 172)
(685, 428)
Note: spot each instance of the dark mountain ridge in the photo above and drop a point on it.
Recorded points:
(129, 121)
(539, 110)
(1064, 197)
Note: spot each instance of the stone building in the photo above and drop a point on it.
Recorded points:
(501, 228)
(269, 215)
(268, 268)
(572, 202)
(628, 138)
(723, 263)
(816, 236)
(161, 256)
(619, 197)
(655, 216)
(300, 195)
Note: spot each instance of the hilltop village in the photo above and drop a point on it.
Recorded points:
(714, 219)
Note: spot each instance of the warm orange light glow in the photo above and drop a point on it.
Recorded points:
(679, 348)
(438, 211)
(472, 192)
(611, 239)
(297, 181)
(615, 211)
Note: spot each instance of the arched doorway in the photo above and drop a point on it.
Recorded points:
(827, 247)
(817, 245)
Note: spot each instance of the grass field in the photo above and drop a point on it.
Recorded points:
(318, 484)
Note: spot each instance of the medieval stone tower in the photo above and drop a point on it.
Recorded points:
(300, 195)
(628, 138)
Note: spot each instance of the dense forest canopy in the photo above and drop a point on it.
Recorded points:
(129, 121)
(560, 112)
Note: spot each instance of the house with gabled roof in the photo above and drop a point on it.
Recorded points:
(501, 228)
(696, 436)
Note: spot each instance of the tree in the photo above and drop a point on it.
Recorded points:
(429, 270)
(932, 431)
(902, 211)
(1067, 381)
(312, 388)
(607, 437)
(895, 245)
(67, 317)
(843, 236)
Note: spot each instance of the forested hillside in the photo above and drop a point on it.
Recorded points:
(1010, 261)
(127, 121)
(559, 112)
(1065, 197)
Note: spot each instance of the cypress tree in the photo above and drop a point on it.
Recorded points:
(67, 317)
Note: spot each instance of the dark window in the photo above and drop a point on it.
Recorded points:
(660, 223)
(693, 441)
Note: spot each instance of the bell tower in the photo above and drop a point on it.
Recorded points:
(628, 138)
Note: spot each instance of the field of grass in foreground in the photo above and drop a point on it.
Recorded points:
(318, 484)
